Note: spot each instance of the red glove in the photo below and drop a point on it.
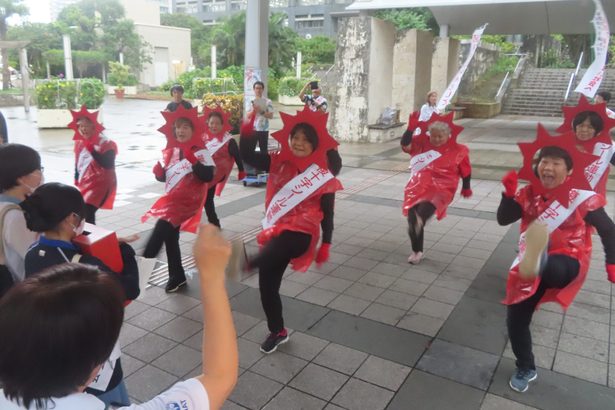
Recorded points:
(610, 272)
(466, 193)
(88, 145)
(189, 155)
(323, 254)
(241, 175)
(158, 170)
(510, 182)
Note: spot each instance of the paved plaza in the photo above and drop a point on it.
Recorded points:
(369, 331)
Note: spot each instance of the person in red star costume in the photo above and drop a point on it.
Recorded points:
(589, 125)
(94, 162)
(224, 151)
(293, 238)
(186, 169)
(437, 164)
(558, 211)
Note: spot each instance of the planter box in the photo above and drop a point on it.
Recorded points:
(128, 89)
(60, 118)
(379, 133)
(287, 100)
(480, 110)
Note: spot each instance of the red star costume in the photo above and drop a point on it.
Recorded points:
(98, 185)
(438, 180)
(217, 145)
(600, 145)
(181, 205)
(307, 215)
(572, 236)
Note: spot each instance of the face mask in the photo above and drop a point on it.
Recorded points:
(79, 229)
(31, 188)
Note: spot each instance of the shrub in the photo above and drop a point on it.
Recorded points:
(56, 94)
(202, 86)
(229, 103)
(186, 80)
(291, 86)
(120, 75)
(91, 93)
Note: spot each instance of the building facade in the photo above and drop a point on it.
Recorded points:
(307, 17)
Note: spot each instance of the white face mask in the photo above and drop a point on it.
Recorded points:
(79, 229)
(31, 188)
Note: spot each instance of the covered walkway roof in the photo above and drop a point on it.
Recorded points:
(505, 16)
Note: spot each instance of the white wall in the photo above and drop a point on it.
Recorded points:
(142, 11)
(167, 43)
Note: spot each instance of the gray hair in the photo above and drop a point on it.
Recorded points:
(440, 126)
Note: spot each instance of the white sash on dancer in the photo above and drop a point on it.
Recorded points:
(182, 168)
(294, 192)
(83, 162)
(214, 144)
(554, 216)
(102, 379)
(420, 161)
(595, 171)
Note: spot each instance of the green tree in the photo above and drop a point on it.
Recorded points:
(8, 8)
(419, 18)
(229, 38)
(317, 50)
(282, 43)
(42, 37)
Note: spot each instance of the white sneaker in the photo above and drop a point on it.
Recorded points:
(536, 240)
(415, 258)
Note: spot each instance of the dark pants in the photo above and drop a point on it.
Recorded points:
(263, 138)
(90, 214)
(167, 234)
(210, 207)
(272, 262)
(422, 211)
(558, 272)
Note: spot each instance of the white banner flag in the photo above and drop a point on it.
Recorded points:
(447, 96)
(595, 73)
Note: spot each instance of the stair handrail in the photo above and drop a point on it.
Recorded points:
(504, 84)
(508, 78)
(573, 76)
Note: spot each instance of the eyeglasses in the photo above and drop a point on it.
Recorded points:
(42, 169)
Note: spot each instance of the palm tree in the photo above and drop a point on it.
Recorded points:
(7, 9)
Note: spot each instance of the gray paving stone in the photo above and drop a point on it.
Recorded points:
(548, 319)
(371, 337)
(544, 336)
(136, 307)
(363, 291)
(459, 363)
(493, 402)
(291, 399)
(148, 381)
(612, 375)
(349, 304)
(543, 356)
(319, 381)
(389, 269)
(383, 313)
(149, 347)
(178, 304)
(589, 312)
(291, 289)
(243, 322)
(130, 365)
(444, 295)
(397, 299)
(360, 262)
(333, 284)
(253, 391)
(333, 407)
(553, 390)
(317, 296)
(340, 358)
(593, 298)
(179, 329)
(584, 327)
(432, 308)
(153, 296)
(584, 346)
(348, 273)
(581, 367)
(419, 323)
(337, 257)
(280, 366)
(357, 394)
(383, 373)
(307, 278)
(130, 333)
(409, 286)
(195, 314)
(303, 346)
(258, 333)
(152, 318)
(179, 360)
(195, 342)
(377, 279)
(433, 392)
(418, 275)
(249, 352)
(229, 405)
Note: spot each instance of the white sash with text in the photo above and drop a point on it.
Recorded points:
(420, 161)
(596, 169)
(182, 168)
(214, 144)
(83, 162)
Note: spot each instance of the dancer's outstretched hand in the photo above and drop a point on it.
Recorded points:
(510, 182)
(323, 254)
(211, 252)
(158, 170)
(610, 271)
(466, 193)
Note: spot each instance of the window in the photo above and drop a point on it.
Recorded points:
(306, 21)
(239, 5)
(310, 2)
(278, 3)
(214, 6)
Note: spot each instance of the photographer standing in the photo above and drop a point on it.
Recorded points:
(263, 109)
(315, 101)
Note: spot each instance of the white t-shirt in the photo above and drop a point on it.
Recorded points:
(426, 111)
(187, 395)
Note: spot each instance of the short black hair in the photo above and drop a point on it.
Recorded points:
(183, 120)
(606, 96)
(177, 87)
(555, 152)
(56, 328)
(594, 120)
(215, 114)
(309, 131)
(258, 83)
(16, 161)
(49, 204)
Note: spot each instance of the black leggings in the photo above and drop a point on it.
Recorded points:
(272, 262)
(210, 207)
(90, 214)
(263, 139)
(558, 272)
(422, 211)
(167, 234)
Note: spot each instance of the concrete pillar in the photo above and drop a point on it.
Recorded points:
(25, 77)
(214, 63)
(257, 45)
(121, 58)
(380, 73)
(68, 57)
(445, 63)
(298, 64)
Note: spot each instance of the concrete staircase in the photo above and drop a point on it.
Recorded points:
(541, 91)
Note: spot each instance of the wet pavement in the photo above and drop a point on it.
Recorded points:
(369, 331)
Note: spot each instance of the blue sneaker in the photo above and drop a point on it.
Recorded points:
(521, 379)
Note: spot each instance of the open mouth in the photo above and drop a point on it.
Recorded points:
(547, 180)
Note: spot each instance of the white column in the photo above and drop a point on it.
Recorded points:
(68, 58)
(298, 64)
(443, 30)
(25, 77)
(121, 58)
(214, 62)
(257, 46)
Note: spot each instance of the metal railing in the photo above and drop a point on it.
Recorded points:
(508, 78)
(573, 76)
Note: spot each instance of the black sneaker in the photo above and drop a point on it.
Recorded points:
(174, 284)
(273, 341)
